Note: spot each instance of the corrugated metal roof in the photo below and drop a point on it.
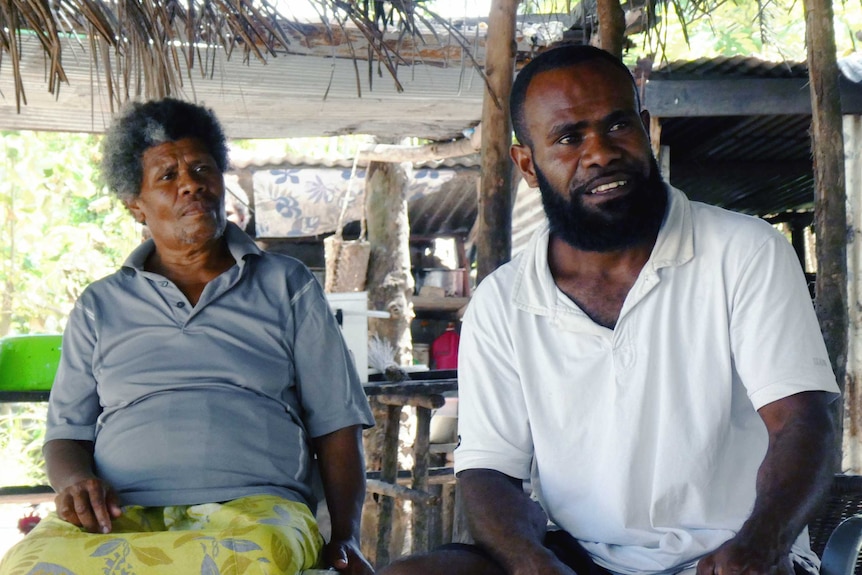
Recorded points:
(451, 211)
(759, 165)
(736, 66)
(243, 159)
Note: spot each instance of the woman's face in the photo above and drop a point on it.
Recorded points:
(182, 194)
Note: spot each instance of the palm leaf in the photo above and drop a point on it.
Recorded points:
(145, 48)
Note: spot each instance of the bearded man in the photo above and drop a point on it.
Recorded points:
(652, 365)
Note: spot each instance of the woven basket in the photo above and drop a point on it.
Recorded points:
(346, 264)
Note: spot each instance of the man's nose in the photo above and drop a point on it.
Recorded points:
(599, 150)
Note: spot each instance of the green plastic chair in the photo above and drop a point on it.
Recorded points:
(29, 362)
(27, 367)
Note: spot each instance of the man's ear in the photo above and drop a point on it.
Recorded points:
(523, 157)
(646, 122)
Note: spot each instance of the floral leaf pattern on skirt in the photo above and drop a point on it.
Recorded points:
(257, 535)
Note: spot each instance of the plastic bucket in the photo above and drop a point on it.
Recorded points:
(29, 362)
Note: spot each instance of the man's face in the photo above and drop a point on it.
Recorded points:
(591, 158)
(182, 194)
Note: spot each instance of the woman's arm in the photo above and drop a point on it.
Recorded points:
(342, 468)
(83, 499)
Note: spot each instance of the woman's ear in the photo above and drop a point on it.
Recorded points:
(135, 209)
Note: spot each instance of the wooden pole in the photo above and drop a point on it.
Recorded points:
(421, 515)
(830, 210)
(388, 474)
(612, 26)
(389, 280)
(494, 226)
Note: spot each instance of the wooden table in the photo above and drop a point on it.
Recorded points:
(424, 392)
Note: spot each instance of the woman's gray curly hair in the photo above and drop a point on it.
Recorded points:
(144, 125)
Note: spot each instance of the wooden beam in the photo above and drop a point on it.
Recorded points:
(426, 153)
(425, 401)
(395, 490)
(740, 97)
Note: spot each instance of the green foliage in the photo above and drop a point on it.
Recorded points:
(23, 426)
(59, 229)
(689, 29)
(772, 30)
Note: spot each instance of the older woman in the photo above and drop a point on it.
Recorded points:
(197, 385)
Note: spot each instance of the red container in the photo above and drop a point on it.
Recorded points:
(444, 349)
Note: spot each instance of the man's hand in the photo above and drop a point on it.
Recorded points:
(752, 557)
(792, 479)
(346, 557)
(90, 504)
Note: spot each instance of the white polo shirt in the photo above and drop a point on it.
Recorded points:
(643, 441)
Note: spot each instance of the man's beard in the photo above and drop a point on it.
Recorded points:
(616, 224)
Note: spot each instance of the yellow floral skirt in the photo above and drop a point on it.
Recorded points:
(256, 535)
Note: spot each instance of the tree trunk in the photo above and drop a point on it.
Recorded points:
(389, 281)
(390, 288)
(494, 226)
(612, 26)
(830, 211)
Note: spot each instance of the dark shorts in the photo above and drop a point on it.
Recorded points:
(564, 546)
(569, 551)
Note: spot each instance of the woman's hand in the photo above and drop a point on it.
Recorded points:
(83, 499)
(345, 557)
(90, 504)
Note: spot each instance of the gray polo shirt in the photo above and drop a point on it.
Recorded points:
(194, 404)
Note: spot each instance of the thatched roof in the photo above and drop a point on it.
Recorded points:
(146, 48)
(68, 65)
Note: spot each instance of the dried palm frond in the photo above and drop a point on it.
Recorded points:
(148, 48)
(381, 356)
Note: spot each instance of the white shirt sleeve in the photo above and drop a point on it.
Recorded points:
(493, 424)
(776, 343)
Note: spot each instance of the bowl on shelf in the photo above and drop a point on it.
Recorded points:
(450, 281)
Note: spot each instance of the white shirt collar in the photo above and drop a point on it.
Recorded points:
(535, 290)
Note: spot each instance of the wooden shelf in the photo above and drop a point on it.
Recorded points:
(439, 304)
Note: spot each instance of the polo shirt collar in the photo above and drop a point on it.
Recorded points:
(238, 242)
(535, 291)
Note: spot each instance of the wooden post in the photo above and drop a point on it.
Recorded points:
(388, 474)
(612, 26)
(494, 226)
(421, 513)
(830, 212)
(390, 288)
(852, 447)
(389, 277)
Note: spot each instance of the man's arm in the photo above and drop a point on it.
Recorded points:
(795, 474)
(83, 499)
(507, 523)
(342, 468)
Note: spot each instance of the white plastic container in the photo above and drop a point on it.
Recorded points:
(354, 326)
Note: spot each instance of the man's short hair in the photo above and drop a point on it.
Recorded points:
(559, 56)
(143, 125)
